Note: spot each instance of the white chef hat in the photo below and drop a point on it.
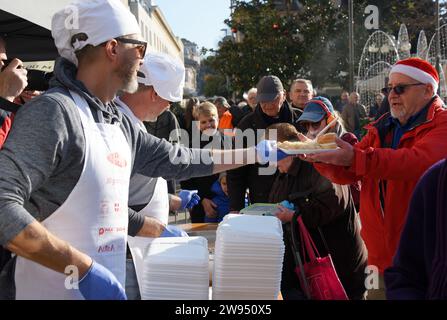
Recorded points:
(165, 74)
(90, 22)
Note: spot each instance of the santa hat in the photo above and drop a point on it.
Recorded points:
(419, 70)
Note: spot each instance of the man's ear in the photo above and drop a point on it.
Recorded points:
(429, 91)
(153, 94)
(112, 49)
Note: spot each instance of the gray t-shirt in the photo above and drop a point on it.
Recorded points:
(43, 156)
(141, 189)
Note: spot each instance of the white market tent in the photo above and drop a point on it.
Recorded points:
(25, 25)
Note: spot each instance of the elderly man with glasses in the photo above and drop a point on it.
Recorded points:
(397, 149)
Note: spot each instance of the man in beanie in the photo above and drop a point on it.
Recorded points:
(272, 108)
(64, 183)
(391, 158)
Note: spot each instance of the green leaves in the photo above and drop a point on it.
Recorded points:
(311, 42)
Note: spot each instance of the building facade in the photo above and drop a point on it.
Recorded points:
(155, 29)
(192, 66)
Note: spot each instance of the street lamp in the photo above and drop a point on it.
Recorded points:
(351, 44)
(438, 43)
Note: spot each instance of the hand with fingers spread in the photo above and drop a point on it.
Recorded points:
(13, 80)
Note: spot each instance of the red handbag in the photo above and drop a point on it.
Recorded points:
(321, 280)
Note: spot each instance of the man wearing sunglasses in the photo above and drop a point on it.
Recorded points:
(66, 165)
(391, 158)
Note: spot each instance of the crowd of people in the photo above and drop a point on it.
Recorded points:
(108, 156)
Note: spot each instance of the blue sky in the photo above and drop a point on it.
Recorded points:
(199, 21)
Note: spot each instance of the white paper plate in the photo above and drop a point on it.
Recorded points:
(305, 151)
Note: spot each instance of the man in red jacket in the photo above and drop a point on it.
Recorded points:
(391, 158)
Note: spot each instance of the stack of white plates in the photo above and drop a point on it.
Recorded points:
(248, 258)
(176, 269)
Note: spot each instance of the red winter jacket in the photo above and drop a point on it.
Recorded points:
(389, 176)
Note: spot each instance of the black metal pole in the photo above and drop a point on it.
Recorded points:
(351, 45)
(438, 44)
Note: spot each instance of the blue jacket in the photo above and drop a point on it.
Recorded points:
(221, 200)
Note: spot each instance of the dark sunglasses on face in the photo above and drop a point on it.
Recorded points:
(400, 89)
(142, 45)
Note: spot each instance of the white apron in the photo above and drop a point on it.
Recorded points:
(141, 187)
(94, 217)
(158, 206)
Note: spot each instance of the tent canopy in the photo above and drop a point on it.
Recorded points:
(25, 25)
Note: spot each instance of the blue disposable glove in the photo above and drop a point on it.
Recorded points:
(190, 198)
(101, 284)
(173, 231)
(268, 151)
(287, 205)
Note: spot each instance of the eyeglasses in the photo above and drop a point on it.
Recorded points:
(400, 89)
(142, 45)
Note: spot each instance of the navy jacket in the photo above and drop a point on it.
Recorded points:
(409, 276)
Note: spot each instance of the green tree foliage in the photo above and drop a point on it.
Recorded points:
(273, 42)
(311, 42)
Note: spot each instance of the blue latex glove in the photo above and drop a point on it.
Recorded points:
(173, 231)
(268, 151)
(287, 205)
(190, 198)
(101, 284)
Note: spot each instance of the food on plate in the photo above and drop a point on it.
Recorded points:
(325, 141)
(296, 145)
(327, 138)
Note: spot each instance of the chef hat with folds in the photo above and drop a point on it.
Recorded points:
(90, 22)
(165, 74)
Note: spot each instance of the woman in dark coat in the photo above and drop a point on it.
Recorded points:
(329, 214)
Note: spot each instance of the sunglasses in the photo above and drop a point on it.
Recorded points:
(400, 89)
(141, 45)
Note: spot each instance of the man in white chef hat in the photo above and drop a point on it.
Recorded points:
(161, 79)
(68, 159)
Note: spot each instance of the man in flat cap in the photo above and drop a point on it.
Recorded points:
(272, 108)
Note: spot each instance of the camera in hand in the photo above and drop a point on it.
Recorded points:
(37, 79)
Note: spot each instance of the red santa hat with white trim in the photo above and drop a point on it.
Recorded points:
(418, 69)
